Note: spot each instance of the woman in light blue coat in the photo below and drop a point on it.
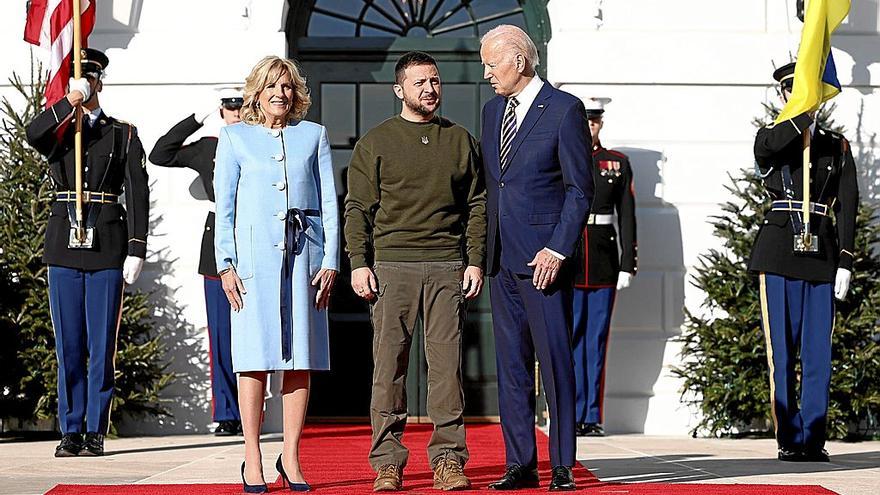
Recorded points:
(277, 250)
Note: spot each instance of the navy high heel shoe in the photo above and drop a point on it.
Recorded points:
(252, 488)
(294, 487)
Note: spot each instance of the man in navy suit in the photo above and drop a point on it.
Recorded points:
(538, 184)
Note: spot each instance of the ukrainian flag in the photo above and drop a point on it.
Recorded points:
(815, 77)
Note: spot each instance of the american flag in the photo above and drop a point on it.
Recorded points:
(50, 26)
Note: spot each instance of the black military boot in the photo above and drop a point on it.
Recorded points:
(70, 446)
(227, 428)
(93, 445)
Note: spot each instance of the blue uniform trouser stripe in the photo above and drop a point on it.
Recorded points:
(224, 387)
(800, 317)
(592, 324)
(85, 307)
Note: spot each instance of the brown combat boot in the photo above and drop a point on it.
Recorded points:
(449, 475)
(389, 478)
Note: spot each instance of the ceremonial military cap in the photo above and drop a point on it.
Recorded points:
(231, 97)
(785, 76)
(595, 106)
(93, 62)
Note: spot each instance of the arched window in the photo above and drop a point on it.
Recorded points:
(412, 18)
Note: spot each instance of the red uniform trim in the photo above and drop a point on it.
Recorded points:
(210, 354)
(605, 364)
(617, 153)
(588, 286)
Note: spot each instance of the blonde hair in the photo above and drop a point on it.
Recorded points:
(269, 70)
(514, 41)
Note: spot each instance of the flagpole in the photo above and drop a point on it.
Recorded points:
(806, 190)
(77, 137)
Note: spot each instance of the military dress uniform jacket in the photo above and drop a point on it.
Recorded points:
(113, 162)
(597, 262)
(199, 156)
(833, 185)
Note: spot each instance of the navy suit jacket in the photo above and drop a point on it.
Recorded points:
(543, 195)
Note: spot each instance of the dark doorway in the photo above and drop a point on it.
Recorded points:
(347, 49)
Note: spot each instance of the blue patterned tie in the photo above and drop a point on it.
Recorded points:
(508, 130)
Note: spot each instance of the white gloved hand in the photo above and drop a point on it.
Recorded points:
(202, 114)
(81, 85)
(623, 280)
(131, 269)
(841, 283)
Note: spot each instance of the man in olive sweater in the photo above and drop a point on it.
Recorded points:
(415, 225)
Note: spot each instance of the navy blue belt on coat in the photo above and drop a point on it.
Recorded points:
(88, 197)
(295, 225)
(797, 206)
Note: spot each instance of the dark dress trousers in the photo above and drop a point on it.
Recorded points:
(85, 284)
(597, 264)
(170, 151)
(796, 289)
(539, 200)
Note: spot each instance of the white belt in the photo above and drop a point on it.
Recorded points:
(604, 219)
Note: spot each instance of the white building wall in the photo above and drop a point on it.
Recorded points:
(686, 76)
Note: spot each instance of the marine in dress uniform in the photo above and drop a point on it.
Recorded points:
(601, 271)
(199, 156)
(86, 283)
(798, 286)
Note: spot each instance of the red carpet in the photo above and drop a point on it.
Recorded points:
(335, 462)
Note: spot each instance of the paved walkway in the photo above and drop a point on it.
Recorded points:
(854, 468)
(28, 468)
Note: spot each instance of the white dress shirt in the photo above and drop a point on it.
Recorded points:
(93, 115)
(525, 98)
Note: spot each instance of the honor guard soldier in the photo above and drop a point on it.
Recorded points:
(802, 270)
(199, 156)
(89, 261)
(601, 270)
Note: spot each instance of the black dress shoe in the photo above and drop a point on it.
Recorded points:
(791, 455)
(93, 445)
(594, 430)
(816, 455)
(227, 428)
(563, 480)
(70, 446)
(516, 477)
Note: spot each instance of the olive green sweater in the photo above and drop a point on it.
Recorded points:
(415, 193)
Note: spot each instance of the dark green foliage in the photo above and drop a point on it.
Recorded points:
(724, 355)
(28, 375)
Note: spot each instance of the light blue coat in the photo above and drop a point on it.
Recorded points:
(259, 174)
